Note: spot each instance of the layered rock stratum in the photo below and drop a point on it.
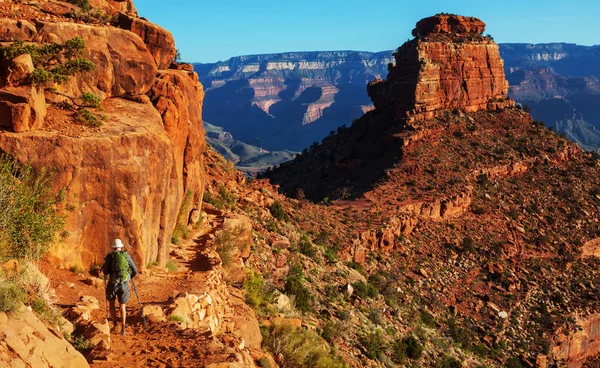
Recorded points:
(557, 81)
(450, 64)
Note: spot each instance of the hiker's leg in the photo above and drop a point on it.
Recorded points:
(123, 313)
(123, 318)
(113, 310)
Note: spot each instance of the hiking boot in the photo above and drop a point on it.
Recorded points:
(115, 329)
(123, 331)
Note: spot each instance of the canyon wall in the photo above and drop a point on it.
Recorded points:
(133, 176)
(558, 81)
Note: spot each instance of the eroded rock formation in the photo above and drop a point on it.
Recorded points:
(449, 65)
(140, 172)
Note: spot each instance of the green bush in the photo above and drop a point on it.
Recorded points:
(256, 293)
(365, 290)
(408, 347)
(278, 212)
(10, 296)
(294, 285)
(54, 62)
(29, 219)
(83, 4)
(90, 100)
(514, 362)
(373, 343)
(446, 361)
(305, 247)
(90, 119)
(300, 348)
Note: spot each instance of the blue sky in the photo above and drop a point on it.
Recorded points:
(212, 30)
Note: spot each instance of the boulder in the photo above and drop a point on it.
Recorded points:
(15, 30)
(22, 108)
(154, 313)
(158, 40)
(27, 342)
(17, 71)
(124, 66)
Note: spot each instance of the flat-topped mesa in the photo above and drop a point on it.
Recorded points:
(448, 23)
(449, 65)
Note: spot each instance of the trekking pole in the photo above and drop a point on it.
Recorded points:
(140, 303)
(105, 296)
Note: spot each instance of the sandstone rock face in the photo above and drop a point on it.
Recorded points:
(115, 6)
(178, 96)
(447, 23)
(26, 342)
(119, 180)
(138, 174)
(158, 40)
(124, 66)
(443, 69)
(575, 348)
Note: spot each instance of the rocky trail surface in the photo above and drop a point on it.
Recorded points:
(162, 343)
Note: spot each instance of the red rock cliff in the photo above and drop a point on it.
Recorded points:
(140, 172)
(448, 65)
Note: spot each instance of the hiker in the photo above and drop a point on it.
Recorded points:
(119, 268)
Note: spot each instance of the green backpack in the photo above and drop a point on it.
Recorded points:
(120, 267)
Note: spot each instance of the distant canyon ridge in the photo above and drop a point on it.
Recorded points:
(287, 101)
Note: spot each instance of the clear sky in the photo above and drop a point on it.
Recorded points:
(212, 30)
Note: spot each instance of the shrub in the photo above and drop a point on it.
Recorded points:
(226, 242)
(83, 4)
(171, 266)
(408, 347)
(28, 217)
(90, 100)
(294, 285)
(446, 361)
(256, 294)
(277, 212)
(88, 118)
(81, 344)
(365, 290)
(373, 343)
(46, 312)
(10, 296)
(300, 347)
(514, 362)
(305, 247)
(54, 62)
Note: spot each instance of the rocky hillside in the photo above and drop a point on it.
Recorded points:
(558, 81)
(92, 94)
(473, 223)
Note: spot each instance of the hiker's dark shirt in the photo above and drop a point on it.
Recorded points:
(108, 260)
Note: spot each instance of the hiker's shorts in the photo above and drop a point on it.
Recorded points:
(120, 291)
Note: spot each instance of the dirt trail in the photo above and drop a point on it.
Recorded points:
(162, 344)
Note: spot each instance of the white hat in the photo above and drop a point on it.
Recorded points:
(118, 244)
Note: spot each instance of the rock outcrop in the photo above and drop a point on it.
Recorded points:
(450, 65)
(26, 342)
(139, 173)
